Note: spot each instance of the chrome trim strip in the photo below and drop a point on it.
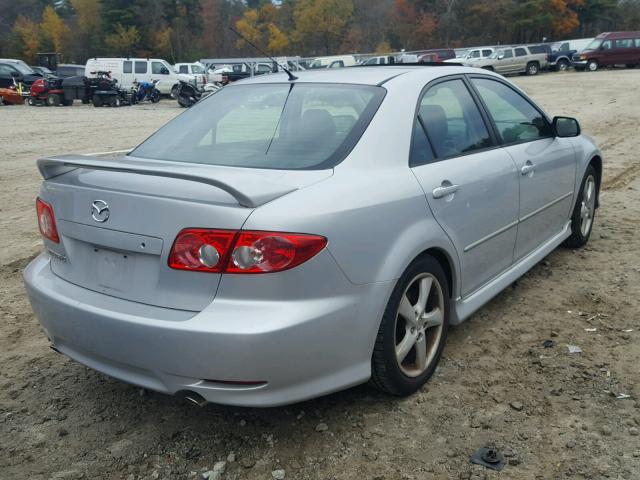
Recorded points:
(491, 235)
(544, 207)
(516, 222)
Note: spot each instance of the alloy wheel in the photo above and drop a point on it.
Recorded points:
(419, 324)
(588, 205)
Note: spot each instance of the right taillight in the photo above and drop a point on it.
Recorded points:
(47, 221)
(229, 251)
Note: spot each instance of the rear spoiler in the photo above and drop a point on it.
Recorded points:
(247, 187)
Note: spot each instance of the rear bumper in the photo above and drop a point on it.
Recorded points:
(300, 349)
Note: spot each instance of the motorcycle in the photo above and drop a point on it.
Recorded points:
(188, 94)
(146, 91)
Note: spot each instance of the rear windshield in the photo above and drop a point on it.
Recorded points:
(280, 126)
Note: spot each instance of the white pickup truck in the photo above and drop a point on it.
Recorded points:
(529, 60)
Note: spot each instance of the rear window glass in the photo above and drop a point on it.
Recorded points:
(280, 126)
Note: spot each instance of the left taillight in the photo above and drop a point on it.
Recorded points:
(47, 221)
(229, 251)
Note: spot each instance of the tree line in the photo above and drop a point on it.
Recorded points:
(185, 30)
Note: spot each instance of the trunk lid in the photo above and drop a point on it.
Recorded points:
(123, 251)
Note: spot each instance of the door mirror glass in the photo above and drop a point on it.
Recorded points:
(164, 71)
(501, 56)
(566, 127)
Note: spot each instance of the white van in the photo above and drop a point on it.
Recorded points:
(335, 61)
(126, 70)
(380, 60)
(473, 55)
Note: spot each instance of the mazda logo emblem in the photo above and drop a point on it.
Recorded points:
(100, 211)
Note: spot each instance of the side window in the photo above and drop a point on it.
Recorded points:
(508, 53)
(606, 45)
(452, 120)
(383, 61)
(141, 67)
(564, 47)
(521, 52)
(157, 68)
(486, 53)
(126, 66)
(337, 64)
(626, 43)
(184, 69)
(475, 53)
(516, 119)
(421, 152)
(6, 70)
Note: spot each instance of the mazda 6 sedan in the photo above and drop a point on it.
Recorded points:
(289, 237)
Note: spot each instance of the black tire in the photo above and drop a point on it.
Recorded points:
(533, 68)
(114, 101)
(97, 101)
(578, 236)
(631, 65)
(67, 103)
(175, 90)
(53, 100)
(31, 101)
(592, 65)
(562, 65)
(488, 68)
(386, 372)
(155, 96)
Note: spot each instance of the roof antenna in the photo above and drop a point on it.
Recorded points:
(291, 76)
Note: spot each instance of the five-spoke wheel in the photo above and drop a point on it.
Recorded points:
(413, 330)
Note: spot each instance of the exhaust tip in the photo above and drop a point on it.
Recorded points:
(195, 399)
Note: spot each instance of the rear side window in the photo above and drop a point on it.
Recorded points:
(452, 120)
(536, 49)
(127, 67)
(624, 43)
(521, 52)
(279, 126)
(421, 152)
(637, 42)
(183, 69)
(141, 67)
(517, 120)
(486, 53)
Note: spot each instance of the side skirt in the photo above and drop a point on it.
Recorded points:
(464, 307)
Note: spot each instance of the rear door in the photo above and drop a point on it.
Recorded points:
(546, 164)
(470, 184)
(520, 59)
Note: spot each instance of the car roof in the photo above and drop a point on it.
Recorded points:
(362, 75)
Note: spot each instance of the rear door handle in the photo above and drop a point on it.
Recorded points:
(440, 192)
(527, 168)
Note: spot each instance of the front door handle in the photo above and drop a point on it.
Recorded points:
(443, 191)
(527, 168)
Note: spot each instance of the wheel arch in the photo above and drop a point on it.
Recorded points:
(596, 162)
(445, 261)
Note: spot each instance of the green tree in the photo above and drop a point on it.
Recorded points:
(321, 24)
(123, 41)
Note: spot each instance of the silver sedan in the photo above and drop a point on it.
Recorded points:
(289, 237)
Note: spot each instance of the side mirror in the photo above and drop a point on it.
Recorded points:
(164, 71)
(566, 127)
(500, 57)
(601, 47)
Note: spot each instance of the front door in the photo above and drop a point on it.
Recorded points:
(471, 185)
(546, 164)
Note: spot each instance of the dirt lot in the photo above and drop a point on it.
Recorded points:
(554, 414)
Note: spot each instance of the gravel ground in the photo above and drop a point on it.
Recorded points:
(554, 414)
